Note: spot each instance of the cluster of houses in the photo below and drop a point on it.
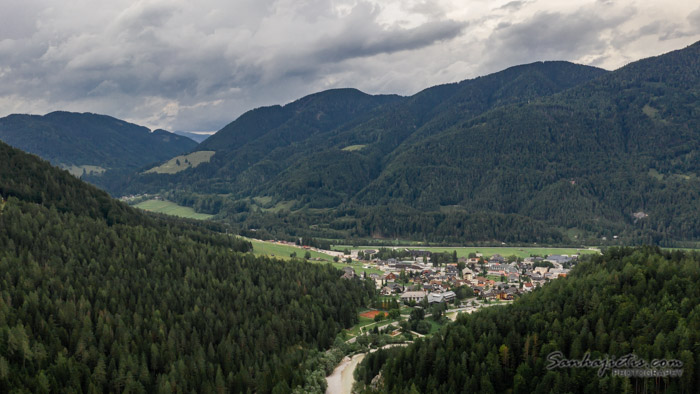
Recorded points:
(492, 278)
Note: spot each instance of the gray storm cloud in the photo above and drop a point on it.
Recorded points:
(198, 65)
(553, 36)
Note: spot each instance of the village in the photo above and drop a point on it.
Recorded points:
(417, 276)
(441, 281)
(422, 283)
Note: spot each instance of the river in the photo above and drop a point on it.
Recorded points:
(341, 380)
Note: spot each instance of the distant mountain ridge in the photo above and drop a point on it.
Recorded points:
(252, 145)
(194, 136)
(545, 152)
(85, 139)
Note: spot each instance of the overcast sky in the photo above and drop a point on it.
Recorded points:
(197, 65)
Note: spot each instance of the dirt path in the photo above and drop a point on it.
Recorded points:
(341, 380)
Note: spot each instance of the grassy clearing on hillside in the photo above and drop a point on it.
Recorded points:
(650, 111)
(183, 162)
(655, 174)
(354, 147)
(170, 208)
(78, 171)
(280, 206)
(263, 200)
(486, 251)
(265, 204)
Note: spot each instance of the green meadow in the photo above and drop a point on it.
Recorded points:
(270, 249)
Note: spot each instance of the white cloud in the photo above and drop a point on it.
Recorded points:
(198, 65)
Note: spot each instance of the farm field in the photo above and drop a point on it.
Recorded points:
(488, 251)
(283, 251)
(170, 208)
(263, 248)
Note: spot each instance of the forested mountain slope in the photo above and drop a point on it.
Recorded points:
(639, 301)
(588, 158)
(99, 297)
(287, 151)
(614, 156)
(257, 145)
(270, 127)
(324, 150)
(312, 177)
(547, 152)
(74, 139)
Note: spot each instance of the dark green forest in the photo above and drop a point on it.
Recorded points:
(90, 139)
(98, 297)
(642, 301)
(549, 152)
(385, 222)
